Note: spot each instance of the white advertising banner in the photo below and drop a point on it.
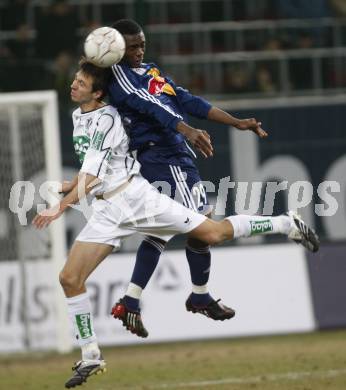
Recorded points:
(38, 302)
(268, 287)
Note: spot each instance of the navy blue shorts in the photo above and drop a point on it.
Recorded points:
(180, 181)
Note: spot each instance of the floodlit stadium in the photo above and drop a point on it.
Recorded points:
(231, 108)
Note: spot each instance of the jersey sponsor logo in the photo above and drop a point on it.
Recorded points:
(81, 144)
(153, 72)
(127, 87)
(158, 84)
(258, 227)
(97, 140)
(109, 155)
(84, 325)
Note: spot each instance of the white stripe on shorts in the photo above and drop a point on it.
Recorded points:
(183, 187)
(180, 188)
(188, 191)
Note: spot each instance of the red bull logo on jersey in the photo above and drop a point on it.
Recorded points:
(158, 84)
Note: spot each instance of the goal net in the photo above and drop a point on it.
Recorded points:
(32, 307)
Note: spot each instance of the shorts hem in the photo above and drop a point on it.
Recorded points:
(96, 241)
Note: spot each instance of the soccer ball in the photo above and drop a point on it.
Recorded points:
(104, 47)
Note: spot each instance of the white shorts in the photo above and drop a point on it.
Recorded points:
(139, 208)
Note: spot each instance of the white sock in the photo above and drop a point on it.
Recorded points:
(200, 289)
(250, 225)
(79, 310)
(91, 351)
(134, 291)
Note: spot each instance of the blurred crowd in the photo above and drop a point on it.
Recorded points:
(41, 40)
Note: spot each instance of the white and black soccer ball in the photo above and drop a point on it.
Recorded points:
(104, 47)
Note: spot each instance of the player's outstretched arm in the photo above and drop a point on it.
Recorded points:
(200, 139)
(217, 115)
(67, 186)
(85, 184)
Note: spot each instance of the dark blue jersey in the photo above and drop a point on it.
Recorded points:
(151, 107)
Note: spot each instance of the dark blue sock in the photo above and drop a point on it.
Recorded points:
(131, 303)
(199, 262)
(148, 256)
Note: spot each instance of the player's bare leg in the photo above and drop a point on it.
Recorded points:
(213, 232)
(83, 258)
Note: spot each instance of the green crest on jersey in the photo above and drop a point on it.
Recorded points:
(97, 140)
(81, 145)
(84, 325)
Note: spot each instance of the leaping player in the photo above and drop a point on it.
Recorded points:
(155, 113)
(125, 203)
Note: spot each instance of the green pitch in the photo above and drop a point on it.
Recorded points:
(295, 362)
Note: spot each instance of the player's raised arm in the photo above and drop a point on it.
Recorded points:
(217, 115)
(200, 108)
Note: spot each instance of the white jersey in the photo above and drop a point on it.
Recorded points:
(102, 146)
(101, 143)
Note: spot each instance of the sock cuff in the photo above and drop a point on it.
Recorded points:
(235, 221)
(77, 298)
(205, 249)
(134, 291)
(200, 289)
(158, 245)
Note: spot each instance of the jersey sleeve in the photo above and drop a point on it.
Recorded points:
(123, 90)
(105, 138)
(193, 105)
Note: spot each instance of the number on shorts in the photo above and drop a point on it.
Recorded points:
(199, 193)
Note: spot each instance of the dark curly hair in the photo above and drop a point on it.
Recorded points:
(127, 27)
(100, 76)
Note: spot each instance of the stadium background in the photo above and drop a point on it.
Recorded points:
(292, 52)
(282, 61)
